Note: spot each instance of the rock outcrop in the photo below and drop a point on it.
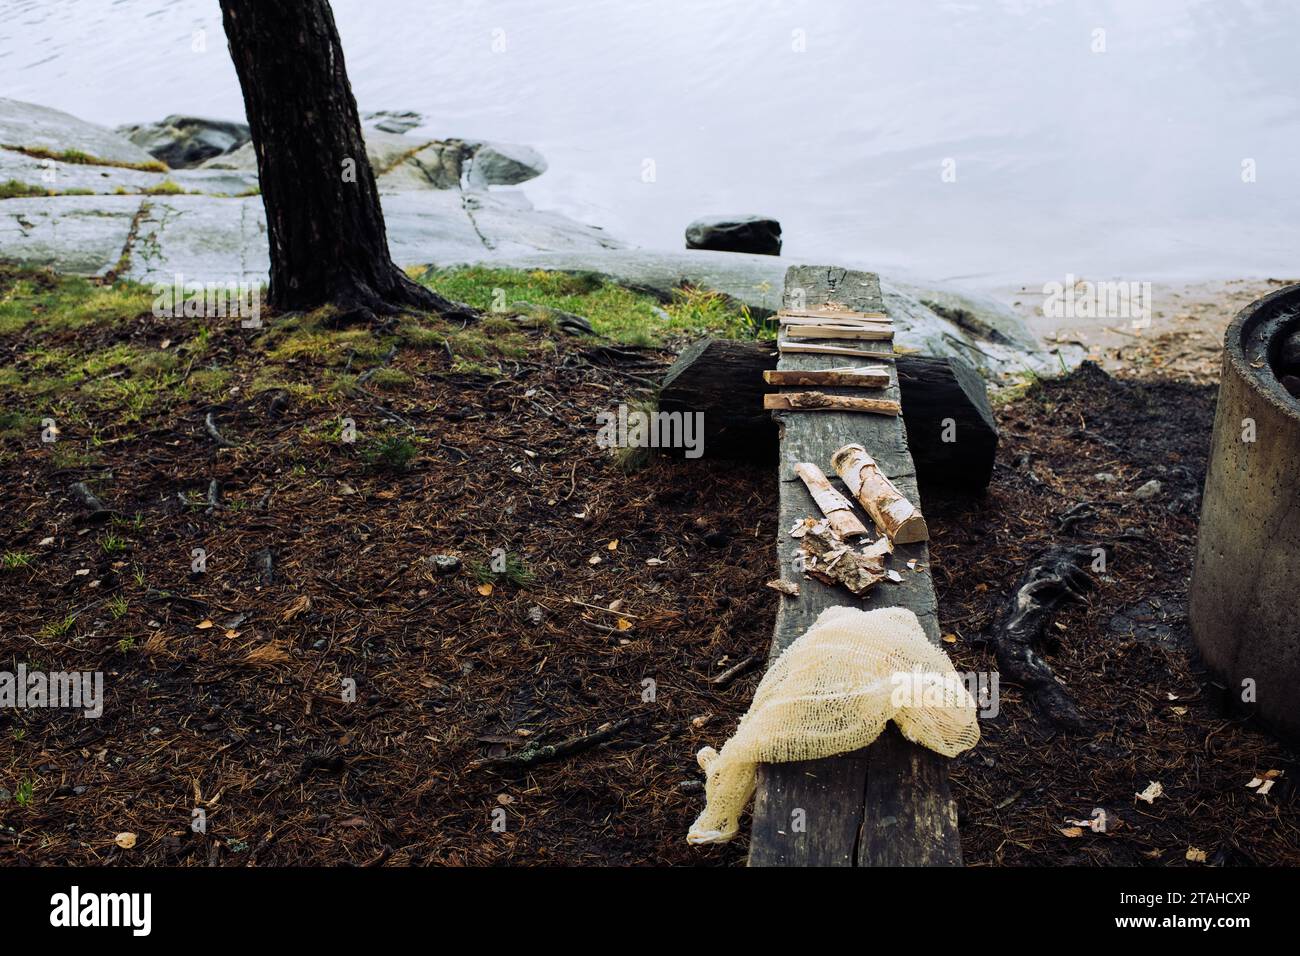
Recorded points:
(109, 215)
(39, 129)
(208, 223)
(183, 142)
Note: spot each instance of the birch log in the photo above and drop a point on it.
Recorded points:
(837, 509)
(896, 517)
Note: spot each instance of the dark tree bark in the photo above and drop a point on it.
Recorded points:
(327, 236)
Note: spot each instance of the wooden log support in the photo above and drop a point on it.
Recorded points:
(889, 508)
(951, 433)
(837, 509)
(822, 402)
(888, 804)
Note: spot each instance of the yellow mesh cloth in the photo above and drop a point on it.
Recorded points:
(831, 692)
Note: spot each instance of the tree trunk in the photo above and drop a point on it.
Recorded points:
(327, 236)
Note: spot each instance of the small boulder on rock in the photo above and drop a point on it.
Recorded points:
(504, 164)
(754, 234)
(186, 141)
(392, 121)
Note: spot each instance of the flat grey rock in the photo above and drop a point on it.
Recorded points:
(83, 235)
(39, 127)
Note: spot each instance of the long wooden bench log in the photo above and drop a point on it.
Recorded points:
(889, 803)
(950, 427)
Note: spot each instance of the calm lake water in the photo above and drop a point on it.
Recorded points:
(987, 141)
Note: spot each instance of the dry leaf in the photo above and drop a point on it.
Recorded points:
(784, 586)
(485, 589)
(950, 638)
(1072, 832)
(1152, 791)
(623, 624)
(594, 559)
(231, 635)
(125, 840)
(204, 624)
(1195, 855)
(613, 545)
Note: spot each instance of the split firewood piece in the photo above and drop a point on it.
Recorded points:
(866, 333)
(817, 348)
(833, 314)
(889, 509)
(864, 377)
(785, 319)
(837, 509)
(821, 402)
(828, 559)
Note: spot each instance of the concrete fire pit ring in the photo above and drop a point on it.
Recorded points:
(1245, 596)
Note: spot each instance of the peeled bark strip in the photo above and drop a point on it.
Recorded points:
(832, 314)
(854, 322)
(817, 348)
(821, 402)
(865, 333)
(853, 378)
(837, 509)
(897, 517)
(828, 559)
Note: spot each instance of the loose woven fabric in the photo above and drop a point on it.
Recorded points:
(831, 692)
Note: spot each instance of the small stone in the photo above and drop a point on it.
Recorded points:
(1149, 490)
(754, 234)
(445, 563)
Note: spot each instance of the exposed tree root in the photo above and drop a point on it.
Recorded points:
(1053, 578)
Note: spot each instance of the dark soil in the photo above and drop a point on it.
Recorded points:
(226, 690)
(1125, 656)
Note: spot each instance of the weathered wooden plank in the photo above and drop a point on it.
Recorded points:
(888, 804)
